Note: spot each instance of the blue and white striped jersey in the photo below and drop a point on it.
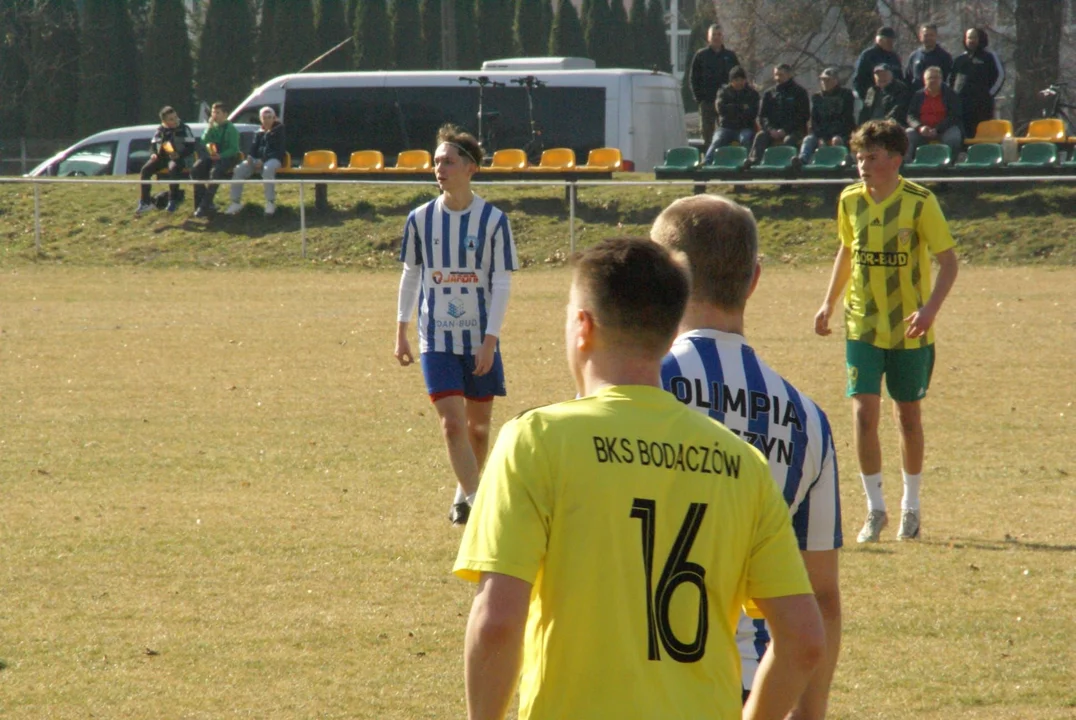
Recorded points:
(719, 374)
(459, 253)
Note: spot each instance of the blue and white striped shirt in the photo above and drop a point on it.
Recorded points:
(459, 253)
(719, 374)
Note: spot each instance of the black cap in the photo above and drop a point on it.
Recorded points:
(886, 31)
(737, 72)
(882, 66)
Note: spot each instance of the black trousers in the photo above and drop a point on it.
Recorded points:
(708, 116)
(208, 169)
(151, 168)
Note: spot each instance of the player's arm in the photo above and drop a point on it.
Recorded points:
(920, 321)
(842, 270)
(797, 645)
(822, 569)
(406, 302)
(493, 648)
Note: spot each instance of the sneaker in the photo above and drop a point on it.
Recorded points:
(872, 529)
(459, 513)
(233, 209)
(909, 525)
(204, 210)
(171, 206)
(270, 208)
(144, 207)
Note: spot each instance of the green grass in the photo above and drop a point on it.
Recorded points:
(93, 224)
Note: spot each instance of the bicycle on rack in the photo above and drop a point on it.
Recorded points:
(535, 145)
(485, 119)
(1055, 105)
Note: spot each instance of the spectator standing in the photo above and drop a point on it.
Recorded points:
(616, 536)
(887, 100)
(934, 116)
(930, 54)
(977, 77)
(221, 142)
(171, 145)
(833, 115)
(888, 228)
(737, 112)
(880, 53)
(710, 70)
(710, 361)
(786, 110)
(266, 157)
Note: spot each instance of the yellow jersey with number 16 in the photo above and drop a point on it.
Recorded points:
(643, 527)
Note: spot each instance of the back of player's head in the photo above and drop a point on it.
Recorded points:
(880, 134)
(464, 142)
(636, 292)
(719, 239)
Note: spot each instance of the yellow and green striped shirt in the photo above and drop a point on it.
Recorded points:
(891, 244)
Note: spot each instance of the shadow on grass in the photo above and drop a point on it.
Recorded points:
(871, 549)
(1009, 543)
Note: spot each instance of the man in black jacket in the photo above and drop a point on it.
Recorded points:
(880, 53)
(171, 145)
(833, 115)
(931, 54)
(887, 100)
(977, 76)
(266, 157)
(709, 72)
(737, 113)
(786, 109)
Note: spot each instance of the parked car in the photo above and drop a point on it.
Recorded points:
(120, 151)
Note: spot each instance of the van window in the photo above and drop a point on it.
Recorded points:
(138, 153)
(93, 159)
(250, 114)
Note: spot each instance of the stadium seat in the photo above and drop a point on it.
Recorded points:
(990, 131)
(679, 160)
(1044, 130)
(602, 160)
(315, 162)
(936, 156)
(555, 160)
(364, 161)
(776, 159)
(507, 161)
(726, 160)
(411, 161)
(1037, 155)
(286, 165)
(828, 159)
(982, 157)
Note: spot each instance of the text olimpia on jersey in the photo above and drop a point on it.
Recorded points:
(459, 253)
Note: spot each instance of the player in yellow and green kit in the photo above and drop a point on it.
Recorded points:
(889, 228)
(615, 537)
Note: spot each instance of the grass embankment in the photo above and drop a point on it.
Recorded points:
(94, 224)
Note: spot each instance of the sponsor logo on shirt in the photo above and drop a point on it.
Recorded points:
(880, 259)
(455, 309)
(471, 241)
(454, 278)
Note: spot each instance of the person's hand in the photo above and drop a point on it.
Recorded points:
(483, 359)
(919, 322)
(153, 157)
(403, 351)
(835, 141)
(821, 320)
(173, 156)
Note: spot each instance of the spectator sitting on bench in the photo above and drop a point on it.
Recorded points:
(171, 144)
(833, 115)
(221, 142)
(934, 115)
(737, 112)
(266, 157)
(786, 109)
(887, 100)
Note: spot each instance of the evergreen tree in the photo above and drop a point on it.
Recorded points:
(495, 19)
(622, 53)
(467, 56)
(429, 12)
(656, 37)
(546, 27)
(637, 35)
(14, 70)
(108, 77)
(528, 40)
(266, 64)
(53, 77)
(167, 67)
(332, 29)
(373, 40)
(596, 32)
(296, 41)
(225, 72)
(584, 15)
(566, 35)
(405, 25)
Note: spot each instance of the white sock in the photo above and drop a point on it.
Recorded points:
(460, 496)
(910, 501)
(872, 485)
(470, 499)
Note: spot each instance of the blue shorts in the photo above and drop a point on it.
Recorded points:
(450, 374)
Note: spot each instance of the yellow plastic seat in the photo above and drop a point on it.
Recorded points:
(315, 162)
(412, 161)
(556, 160)
(603, 160)
(364, 161)
(991, 131)
(506, 161)
(1044, 130)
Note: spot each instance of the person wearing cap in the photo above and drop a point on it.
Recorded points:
(887, 100)
(737, 112)
(880, 53)
(833, 115)
(786, 110)
(931, 54)
(976, 78)
(266, 157)
(935, 115)
(710, 69)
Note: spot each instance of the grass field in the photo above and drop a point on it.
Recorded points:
(220, 496)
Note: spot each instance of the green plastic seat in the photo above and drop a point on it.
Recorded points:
(937, 156)
(1037, 155)
(829, 158)
(777, 159)
(680, 159)
(726, 160)
(982, 157)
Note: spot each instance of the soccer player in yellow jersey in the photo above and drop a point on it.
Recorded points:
(889, 228)
(615, 537)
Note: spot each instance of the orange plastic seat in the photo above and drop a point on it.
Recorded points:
(1044, 130)
(505, 161)
(603, 160)
(412, 161)
(364, 161)
(556, 160)
(315, 162)
(991, 131)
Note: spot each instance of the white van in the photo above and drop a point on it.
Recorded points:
(120, 151)
(637, 111)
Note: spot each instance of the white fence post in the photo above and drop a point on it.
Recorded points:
(571, 217)
(302, 217)
(37, 219)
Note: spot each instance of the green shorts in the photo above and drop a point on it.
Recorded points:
(907, 372)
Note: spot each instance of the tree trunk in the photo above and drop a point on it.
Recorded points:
(1037, 56)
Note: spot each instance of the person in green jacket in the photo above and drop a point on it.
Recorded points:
(221, 144)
